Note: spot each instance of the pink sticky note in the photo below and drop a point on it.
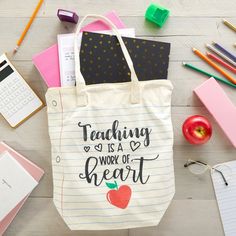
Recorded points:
(47, 62)
(100, 25)
(219, 105)
(32, 169)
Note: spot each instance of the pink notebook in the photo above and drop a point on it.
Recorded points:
(219, 105)
(48, 65)
(32, 169)
(47, 62)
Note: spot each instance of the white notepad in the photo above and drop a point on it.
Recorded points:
(15, 183)
(226, 195)
(66, 53)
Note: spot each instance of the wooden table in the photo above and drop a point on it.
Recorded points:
(192, 23)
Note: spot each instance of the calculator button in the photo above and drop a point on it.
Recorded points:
(58, 159)
(54, 103)
(15, 79)
(15, 94)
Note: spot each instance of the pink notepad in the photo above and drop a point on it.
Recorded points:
(47, 62)
(219, 105)
(32, 169)
(100, 25)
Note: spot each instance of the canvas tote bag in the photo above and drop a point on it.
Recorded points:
(112, 152)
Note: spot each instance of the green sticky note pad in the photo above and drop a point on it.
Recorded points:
(157, 14)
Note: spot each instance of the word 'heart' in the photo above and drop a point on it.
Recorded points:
(98, 147)
(86, 148)
(120, 197)
(134, 145)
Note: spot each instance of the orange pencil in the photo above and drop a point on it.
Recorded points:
(212, 64)
(28, 25)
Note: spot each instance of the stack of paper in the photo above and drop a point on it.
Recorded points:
(18, 177)
(47, 62)
(66, 54)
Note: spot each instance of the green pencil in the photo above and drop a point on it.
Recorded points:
(208, 74)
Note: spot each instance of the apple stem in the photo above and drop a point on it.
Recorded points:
(116, 185)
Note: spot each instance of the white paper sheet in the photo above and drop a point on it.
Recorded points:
(15, 183)
(66, 53)
(226, 195)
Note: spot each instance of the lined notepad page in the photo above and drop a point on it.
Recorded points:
(226, 197)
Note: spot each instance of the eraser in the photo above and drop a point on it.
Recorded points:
(68, 16)
(157, 14)
(220, 106)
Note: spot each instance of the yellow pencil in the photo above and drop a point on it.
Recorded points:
(212, 64)
(28, 25)
(230, 25)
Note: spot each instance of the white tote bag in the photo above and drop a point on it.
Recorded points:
(112, 153)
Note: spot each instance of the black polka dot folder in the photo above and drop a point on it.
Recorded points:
(102, 60)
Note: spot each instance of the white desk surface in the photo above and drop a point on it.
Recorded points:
(191, 24)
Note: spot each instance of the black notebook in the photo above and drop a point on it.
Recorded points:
(102, 60)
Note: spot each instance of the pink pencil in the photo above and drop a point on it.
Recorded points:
(217, 59)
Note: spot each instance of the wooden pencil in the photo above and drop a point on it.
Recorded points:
(225, 51)
(212, 64)
(217, 59)
(220, 54)
(209, 75)
(28, 25)
(230, 25)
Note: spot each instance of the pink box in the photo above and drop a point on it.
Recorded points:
(219, 105)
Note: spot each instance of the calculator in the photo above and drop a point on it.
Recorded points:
(17, 100)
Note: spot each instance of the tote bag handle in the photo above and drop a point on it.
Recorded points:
(82, 99)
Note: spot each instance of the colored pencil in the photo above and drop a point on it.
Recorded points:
(28, 25)
(230, 25)
(212, 64)
(220, 54)
(208, 74)
(226, 52)
(217, 59)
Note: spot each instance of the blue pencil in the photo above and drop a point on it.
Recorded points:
(226, 52)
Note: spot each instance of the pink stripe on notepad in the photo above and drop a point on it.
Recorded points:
(220, 106)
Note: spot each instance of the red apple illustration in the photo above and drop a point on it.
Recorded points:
(118, 197)
(197, 129)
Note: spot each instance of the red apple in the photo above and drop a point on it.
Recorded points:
(118, 197)
(197, 129)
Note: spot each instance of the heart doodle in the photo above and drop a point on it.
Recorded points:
(86, 148)
(134, 145)
(98, 147)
